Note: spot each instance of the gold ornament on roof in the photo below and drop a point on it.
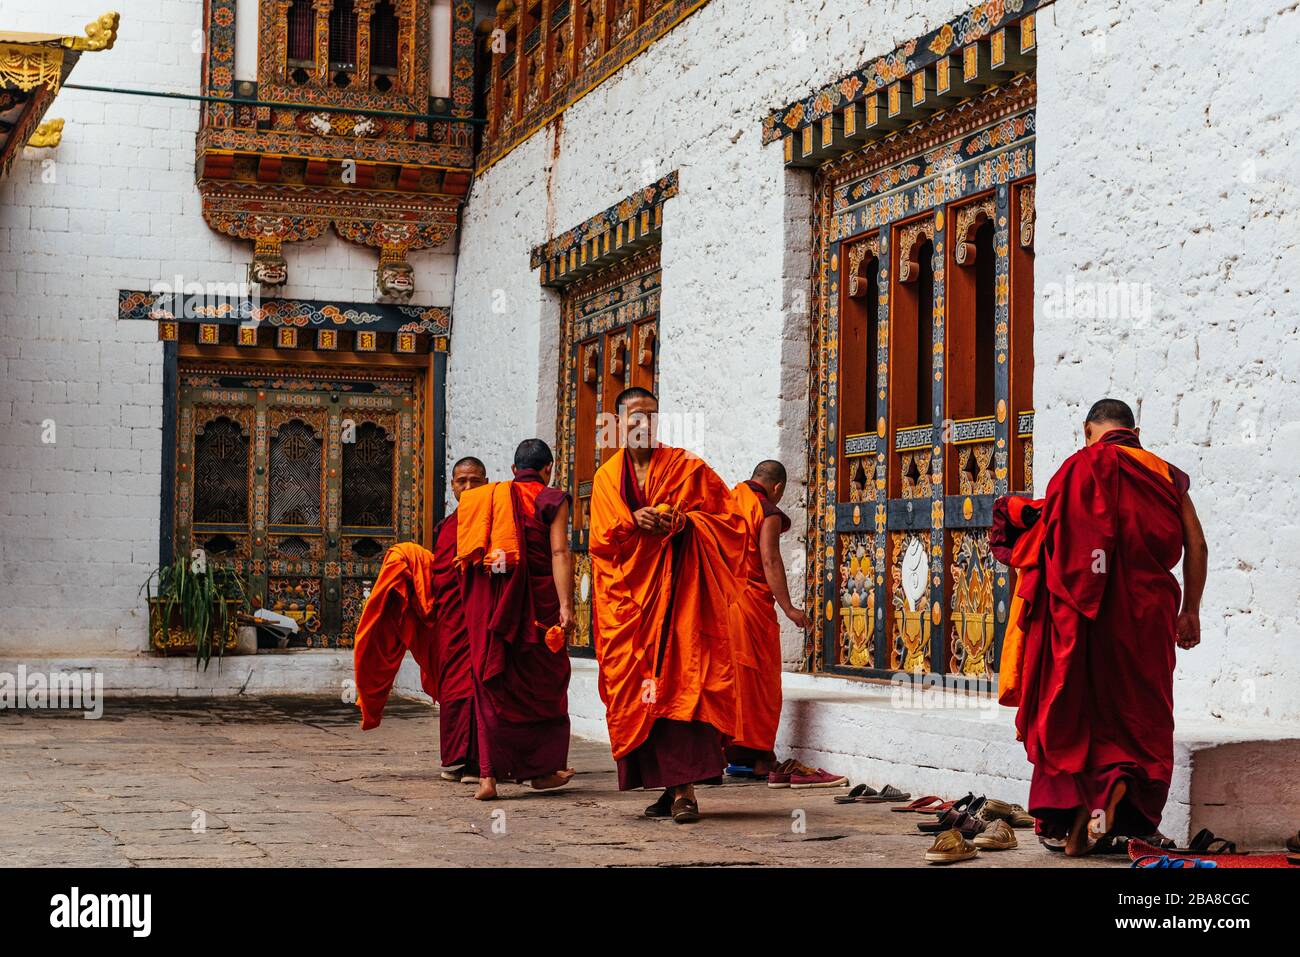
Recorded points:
(47, 135)
(101, 34)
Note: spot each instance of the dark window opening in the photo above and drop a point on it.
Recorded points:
(872, 268)
(383, 39)
(924, 337)
(985, 318)
(343, 36)
(302, 33)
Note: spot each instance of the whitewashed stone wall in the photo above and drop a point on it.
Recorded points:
(79, 517)
(1162, 161)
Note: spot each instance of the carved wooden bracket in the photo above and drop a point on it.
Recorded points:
(1027, 217)
(858, 253)
(909, 239)
(969, 219)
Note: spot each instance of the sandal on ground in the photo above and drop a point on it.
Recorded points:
(923, 805)
(859, 794)
(998, 837)
(685, 811)
(1206, 843)
(888, 795)
(1013, 814)
(967, 824)
(949, 848)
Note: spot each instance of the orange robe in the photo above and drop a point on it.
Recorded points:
(755, 633)
(397, 617)
(659, 618)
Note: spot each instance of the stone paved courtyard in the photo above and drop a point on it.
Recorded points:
(293, 781)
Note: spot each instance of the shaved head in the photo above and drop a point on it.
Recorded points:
(469, 462)
(770, 474)
(467, 473)
(1111, 412)
(533, 454)
(635, 392)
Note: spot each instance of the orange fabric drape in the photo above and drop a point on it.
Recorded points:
(1024, 555)
(486, 533)
(399, 616)
(660, 604)
(755, 634)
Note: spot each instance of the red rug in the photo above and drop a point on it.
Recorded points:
(1138, 849)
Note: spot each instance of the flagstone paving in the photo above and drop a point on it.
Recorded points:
(293, 781)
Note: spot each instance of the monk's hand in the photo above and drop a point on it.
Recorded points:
(567, 622)
(651, 520)
(797, 617)
(1189, 629)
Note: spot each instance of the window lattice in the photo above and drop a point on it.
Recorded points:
(221, 473)
(368, 478)
(343, 34)
(295, 475)
(302, 31)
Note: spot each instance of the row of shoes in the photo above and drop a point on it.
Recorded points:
(972, 824)
(790, 774)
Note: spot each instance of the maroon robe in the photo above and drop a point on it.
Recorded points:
(675, 752)
(1099, 630)
(456, 732)
(521, 687)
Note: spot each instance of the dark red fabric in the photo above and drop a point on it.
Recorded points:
(456, 731)
(676, 752)
(521, 704)
(769, 507)
(1097, 700)
(1013, 516)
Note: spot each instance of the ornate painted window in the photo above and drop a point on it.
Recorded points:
(300, 48)
(343, 42)
(607, 272)
(347, 115)
(299, 480)
(547, 54)
(922, 344)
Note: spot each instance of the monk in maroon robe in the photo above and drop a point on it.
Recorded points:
(518, 588)
(1100, 621)
(458, 738)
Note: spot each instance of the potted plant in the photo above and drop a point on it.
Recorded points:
(195, 609)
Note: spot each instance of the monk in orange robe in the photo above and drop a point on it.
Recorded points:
(513, 552)
(458, 738)
(755, 633)
(1100, 622)
(663, 543)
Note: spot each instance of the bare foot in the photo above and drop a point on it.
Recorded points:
(487, 790)
(686, 791)
(556, 779)
(1077, 843)
(1100, 827)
